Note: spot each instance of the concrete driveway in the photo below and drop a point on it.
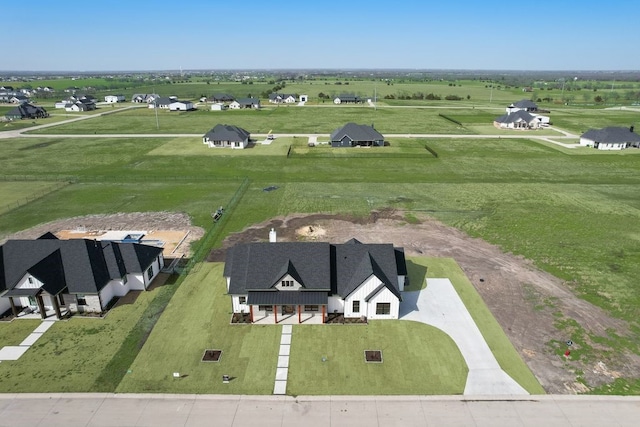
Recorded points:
(439, 305)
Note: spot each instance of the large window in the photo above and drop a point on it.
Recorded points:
(81, 299)
(383, 308)
(356, 307)
(242, 300)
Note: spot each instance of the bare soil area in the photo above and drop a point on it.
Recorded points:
(173, 229)
(526, 301)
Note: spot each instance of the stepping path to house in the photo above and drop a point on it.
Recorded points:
(440, 305)
(13, 352)
(282, 370)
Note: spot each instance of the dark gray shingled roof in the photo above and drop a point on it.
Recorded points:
(227, 133)
(287, 298)
(81, 265)
(515, 116)
(336, 269)
(526, 103)
(357, 132)
(612, 135)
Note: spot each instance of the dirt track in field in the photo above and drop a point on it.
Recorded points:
(526, 301)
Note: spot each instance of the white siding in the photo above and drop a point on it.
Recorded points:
(586, 142)
(24, 283)
(335, 305)
(109, 291)
(296, 286)
(237, 307)
(368, 309)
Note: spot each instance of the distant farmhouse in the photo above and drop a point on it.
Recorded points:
(82, 104)
(243, 103)
(348, 99)
(523, 115)
(226, 136)
(26, 111)
(77, 275)
(144, 98)
(111, 99)
(610, 138)
(281, 98)
(304, 282)
(354, 135)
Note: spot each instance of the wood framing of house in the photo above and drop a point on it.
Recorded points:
(276, 281)
(76, 275)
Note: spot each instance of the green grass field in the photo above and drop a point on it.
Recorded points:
(573, 212)
(13, 333)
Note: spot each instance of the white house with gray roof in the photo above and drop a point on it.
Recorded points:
(520, 119)
(229, 136)
(610, 138)
(305, 282)
(76, 275)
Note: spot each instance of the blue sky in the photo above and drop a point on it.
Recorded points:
(246, 34)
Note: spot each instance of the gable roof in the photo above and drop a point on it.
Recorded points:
(356, 132)
(26, 110)
(248, 101)
(515, 117)
(612, 135)
(227, 133)
(337, 269)
(81, 265)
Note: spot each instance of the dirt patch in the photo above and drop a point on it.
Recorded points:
(373, 356)
(526, 301)
(173, 229)
(211, 355)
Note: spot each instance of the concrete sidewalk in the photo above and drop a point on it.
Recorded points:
(439, 305)
(95, 409)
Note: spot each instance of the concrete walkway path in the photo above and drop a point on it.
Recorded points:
(14, 352)
(439, 305)
(282, 370)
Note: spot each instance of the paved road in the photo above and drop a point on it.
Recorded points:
(93, 410)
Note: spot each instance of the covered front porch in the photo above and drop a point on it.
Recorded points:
(35, 303)
(287, 307)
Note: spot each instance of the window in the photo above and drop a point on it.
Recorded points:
(81, 299)
(287, 283)
(311, 308)
(150, 272)
(242, 300)
(356, 307)
(383, 308)
(265, 308)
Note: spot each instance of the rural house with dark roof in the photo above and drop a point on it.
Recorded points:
(518, 120)
(76, 275)
(352, 135)
(610, 138)
(245, 103)
(230, 136)
(26, 111)
(304, 282)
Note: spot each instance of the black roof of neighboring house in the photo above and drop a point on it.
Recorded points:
(357, 132)
(227, 133)
(347, 97)
(81, 265)
(526, 103)
(26, 110)
(222, 97)
(515, 117)
(165, 100)
(318, 266)
(612, 135)
(248, 101)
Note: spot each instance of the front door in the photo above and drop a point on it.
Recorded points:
(288, 309)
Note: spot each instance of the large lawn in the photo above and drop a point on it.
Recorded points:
(14, 194)
(197, 319)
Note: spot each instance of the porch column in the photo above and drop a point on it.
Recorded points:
(323, 309)
(275, 312)
(56, 307)
(251, 313)
(299, 314)
(43, 312)
(14, 309)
